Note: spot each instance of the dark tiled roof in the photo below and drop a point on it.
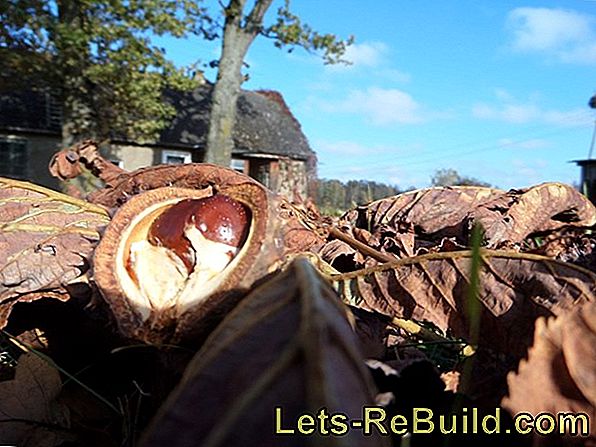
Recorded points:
(264, 124)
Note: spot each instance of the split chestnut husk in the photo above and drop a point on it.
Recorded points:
(185, 244)
(159, 289)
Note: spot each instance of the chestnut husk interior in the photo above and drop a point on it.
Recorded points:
(261, 253)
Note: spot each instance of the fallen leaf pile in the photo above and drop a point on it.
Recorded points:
(537, 263)
(30, 414)
(390, 305)
(561, 364)
(46, 239)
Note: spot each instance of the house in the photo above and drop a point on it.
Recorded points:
(269, 143)
(587, 185)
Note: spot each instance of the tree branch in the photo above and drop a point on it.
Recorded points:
(234, 10)
(254, 20)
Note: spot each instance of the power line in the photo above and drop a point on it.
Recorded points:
(485, 149)
(452, 151)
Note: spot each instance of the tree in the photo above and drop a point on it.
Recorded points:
(335, 197)
(239, 31)
(450, 177)
(98, 57)
(331, 196)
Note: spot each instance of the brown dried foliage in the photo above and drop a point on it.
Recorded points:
(514, 289)
(289, 345)
(400, 260)
(30, 415)
(559, 375)
(46, 241)
(434, 215)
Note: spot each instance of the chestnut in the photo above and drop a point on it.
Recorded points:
(192, 238)
(173, 260)
(222, 225)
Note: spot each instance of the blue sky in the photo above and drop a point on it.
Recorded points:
(497, 90)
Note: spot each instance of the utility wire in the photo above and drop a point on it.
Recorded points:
(452, 151)
(528, 136)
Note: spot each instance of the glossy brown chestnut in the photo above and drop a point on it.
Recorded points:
(174, 260)
(219, 218)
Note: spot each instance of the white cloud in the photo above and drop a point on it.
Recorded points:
(382, 106)
(567, 36)
(366, 54)
(511, 113)
(350, 160)
(352, 150)
(377, 106)
(393, 75)
(528, 172)
(385, 106)
(533, 143)
(568, 118)
(511, 110)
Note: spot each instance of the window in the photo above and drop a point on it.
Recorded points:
(175, 157)
(260, 170)
(237, 164)
(14, 158)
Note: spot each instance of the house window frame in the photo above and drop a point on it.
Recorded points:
(24, 174)
(260, 170)
(186, 156)
(238, 165)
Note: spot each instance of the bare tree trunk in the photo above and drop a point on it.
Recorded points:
(237, 38)
(75, 113)
(225, 95)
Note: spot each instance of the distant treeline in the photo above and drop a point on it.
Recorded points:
(335, 196)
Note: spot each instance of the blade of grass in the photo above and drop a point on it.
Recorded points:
(474, 307)
(473, 314)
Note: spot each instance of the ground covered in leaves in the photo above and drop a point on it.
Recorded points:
(464, 301)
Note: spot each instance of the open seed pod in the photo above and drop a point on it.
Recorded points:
(185, 243)
(174, 260)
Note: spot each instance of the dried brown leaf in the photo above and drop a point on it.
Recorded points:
(507, 217)
(289, 345)
(68, 163)
(542, 208)
(440, 211)
(574, 246)
(336, 251)
(46, 239)
(560, 372)
(402, 244)
(30, 416)
(372, 331)
(514, 290)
